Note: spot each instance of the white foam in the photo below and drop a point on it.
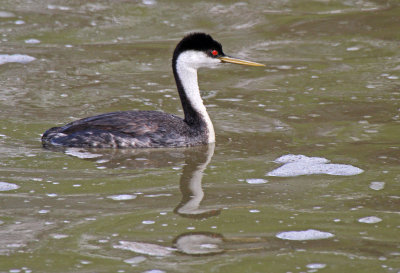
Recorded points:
(295, 165)
(354, 48)
(370, 220)
(80, 154)
(149, 2)
(6, 14)
(135, 260)
(52, 194)
(122, 197)
(145, 248)
(310, 234)
(15, 58)
(377, 186)
(59, 236)
(4, 186)
(316, 266)
(32, 41)
(56, 7)
(43, 211)
(157, 195)
(256, 181)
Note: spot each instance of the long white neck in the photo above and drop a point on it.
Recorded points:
(188, 77)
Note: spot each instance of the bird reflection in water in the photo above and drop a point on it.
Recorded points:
(191, 185)
(196, 160)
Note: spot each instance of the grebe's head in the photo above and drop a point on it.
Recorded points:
(201, 50)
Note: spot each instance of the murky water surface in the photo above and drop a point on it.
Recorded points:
(305, 173)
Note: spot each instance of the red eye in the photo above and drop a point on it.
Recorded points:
(214, 53)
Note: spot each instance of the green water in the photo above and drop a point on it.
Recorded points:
(330, 88)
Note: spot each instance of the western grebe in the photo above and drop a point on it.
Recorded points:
(148, 129)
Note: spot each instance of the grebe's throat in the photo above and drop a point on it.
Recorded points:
(185, 72)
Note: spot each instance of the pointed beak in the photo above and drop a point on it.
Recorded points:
(226, 59)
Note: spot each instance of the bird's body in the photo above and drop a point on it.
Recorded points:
(129, 129)
(154, 129)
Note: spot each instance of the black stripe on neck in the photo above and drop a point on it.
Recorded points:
(192, 117)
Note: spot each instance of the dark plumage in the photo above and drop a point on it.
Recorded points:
(127, 129)
(199, 42)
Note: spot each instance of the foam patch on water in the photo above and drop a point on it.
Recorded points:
(295, 165)
(135, 260)
(145, 248)
(303, 235)
(59, 236)
(316, 266)
(377, 186)
(80, 154)
(32, 41)
(122, 197)
(15, 58)
(256, 181)
(4, 186)
(6, 14)
(370, 220)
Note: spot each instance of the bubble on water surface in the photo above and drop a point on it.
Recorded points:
(377, 186)
(15, 58)
(199, 244)
(316, 266)
(256, 181)
(135, 260)
(4, 186)
(157, 195)
(43, 211)
(122, 197)
(303, 235)
(145, 248)
(354, 48)
(6, 14)
(370, 220)
(52, 194)
(59, 236)
(100, 161)
(149, 2)
(80, 153)
(295, 165)
(32, 41)
(57, 7)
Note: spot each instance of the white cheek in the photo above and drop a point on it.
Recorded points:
(196, 59)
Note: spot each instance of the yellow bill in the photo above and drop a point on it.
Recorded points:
(226, 59)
